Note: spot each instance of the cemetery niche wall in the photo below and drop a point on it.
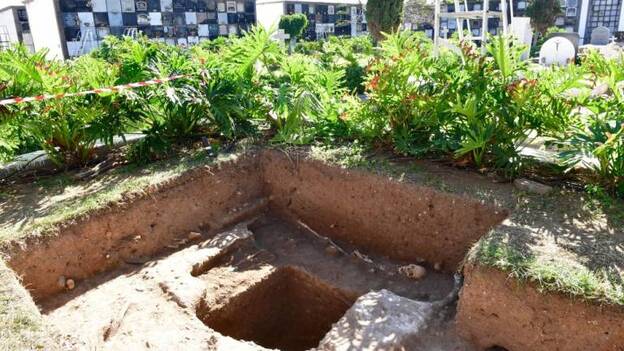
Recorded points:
(327, 19)
(181, 22)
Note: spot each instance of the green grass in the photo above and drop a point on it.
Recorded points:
(552, 275)
(567, 243)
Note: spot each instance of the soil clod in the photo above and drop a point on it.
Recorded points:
(331, 250)
(194, 236)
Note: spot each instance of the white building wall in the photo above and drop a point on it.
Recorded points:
(269, 12)
(44, 26)
(621, 24)
(8, 19)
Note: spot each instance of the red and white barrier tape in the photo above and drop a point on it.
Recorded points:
(117, 88)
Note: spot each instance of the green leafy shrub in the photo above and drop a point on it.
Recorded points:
(596, 139)
(350, 55)
(24, 74)
(477, 109)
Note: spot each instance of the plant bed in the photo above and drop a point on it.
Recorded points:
(155, 267)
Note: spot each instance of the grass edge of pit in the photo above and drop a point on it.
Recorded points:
(161, 174)
(21, 325)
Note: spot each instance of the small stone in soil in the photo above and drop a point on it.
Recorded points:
(437, 266)
(533, 187)
(70, 284)
(290, 244)
(61, 281)
(331, 250)
(194, 236)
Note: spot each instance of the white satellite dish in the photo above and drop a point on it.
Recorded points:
(557, 51)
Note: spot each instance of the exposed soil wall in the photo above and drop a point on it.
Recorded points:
(204, 199)
(400, 220)
(495, 310)
(373, 213)
(355, 207)
(289, 310)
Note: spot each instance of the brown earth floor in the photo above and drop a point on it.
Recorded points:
(136, 307)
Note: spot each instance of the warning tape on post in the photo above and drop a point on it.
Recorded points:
(113, 89)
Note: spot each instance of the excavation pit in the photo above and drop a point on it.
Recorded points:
(258, 252)
(289, 310)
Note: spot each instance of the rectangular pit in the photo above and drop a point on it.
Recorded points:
(132, 245)
(289, 310)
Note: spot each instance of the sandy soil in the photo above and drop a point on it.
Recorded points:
(161, 304)
(131, 260)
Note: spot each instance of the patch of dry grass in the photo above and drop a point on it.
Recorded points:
(21, 326)
(35, 209)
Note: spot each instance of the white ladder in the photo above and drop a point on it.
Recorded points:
(5, 41)
(465, 15)
(87, 39)
(131, 32)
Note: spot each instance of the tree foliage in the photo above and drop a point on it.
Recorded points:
(294, 25)
(418, 12)
(543, 14)
(383, 16)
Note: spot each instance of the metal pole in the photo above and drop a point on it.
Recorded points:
(436, 28)
(459, 22)
(511, 9)
(484, 26)
(504, 11)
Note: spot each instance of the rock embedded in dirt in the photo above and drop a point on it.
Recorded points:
(61, 281)
(70, 284)
(437, 266)
(194, 236)
(331, 250)
(413, 271)
(532, 187)
(403, 320)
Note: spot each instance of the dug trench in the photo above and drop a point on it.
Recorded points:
(262, 251)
